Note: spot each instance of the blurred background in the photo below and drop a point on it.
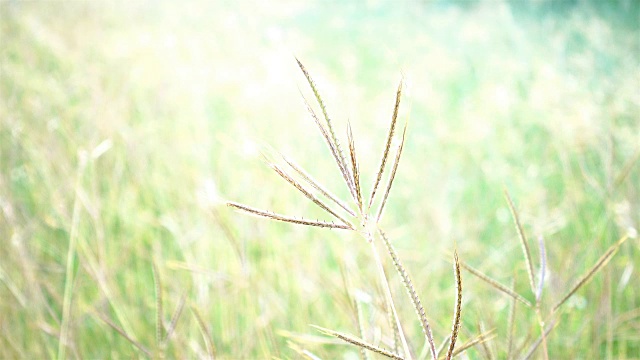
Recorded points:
(125, 126)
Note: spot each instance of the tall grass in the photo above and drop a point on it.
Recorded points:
(143, 117)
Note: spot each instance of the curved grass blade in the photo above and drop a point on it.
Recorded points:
(496, 284)
(417, 304)
(523, 241)
(278, 217)
(387, 147)
(604, 259)
(206, 334)
(393, 175)
(359, 342)
(458, 309)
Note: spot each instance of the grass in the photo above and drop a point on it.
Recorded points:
(145, 119)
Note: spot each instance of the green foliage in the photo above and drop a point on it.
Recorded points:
(169, 104)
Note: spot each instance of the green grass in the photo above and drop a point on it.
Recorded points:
(170, 106)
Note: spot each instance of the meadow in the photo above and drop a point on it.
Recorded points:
(125, 128)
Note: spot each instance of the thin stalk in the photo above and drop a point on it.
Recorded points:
(523, 241)
(458, 308)
(387, 291)
(71, 254)
(283, 218)
(604, 259)
(413, 295)
(359, 342)
(543, 265)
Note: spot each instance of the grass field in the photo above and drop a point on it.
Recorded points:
(125, 127)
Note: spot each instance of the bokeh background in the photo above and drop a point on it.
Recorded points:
(125, 126)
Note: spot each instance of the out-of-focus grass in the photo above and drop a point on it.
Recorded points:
(170, 104)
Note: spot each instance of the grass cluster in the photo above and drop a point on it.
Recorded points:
(124, 129)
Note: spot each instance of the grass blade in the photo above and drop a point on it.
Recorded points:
(175, 317)
(157, 285)
(324, 110)
(339, 156)
(355, 303)
(317, 185)
(543, 266)
(537, 343)
(360, 321)
(496, 284)
(444, 344)
(604, 259)
(359, 342)
(523, 241)
(480, 339)
(393, 175)
(389, 297)
(385, 153)
(512, 318)
(306, 354)
(458, 308)
(394, 327)
(307, 193)
(354, 166)
(278, 217)
(626, 170)
(335, 152)
(417, 304)
(124, 334)
(206, 334)
(69, 275)
(485, 347)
